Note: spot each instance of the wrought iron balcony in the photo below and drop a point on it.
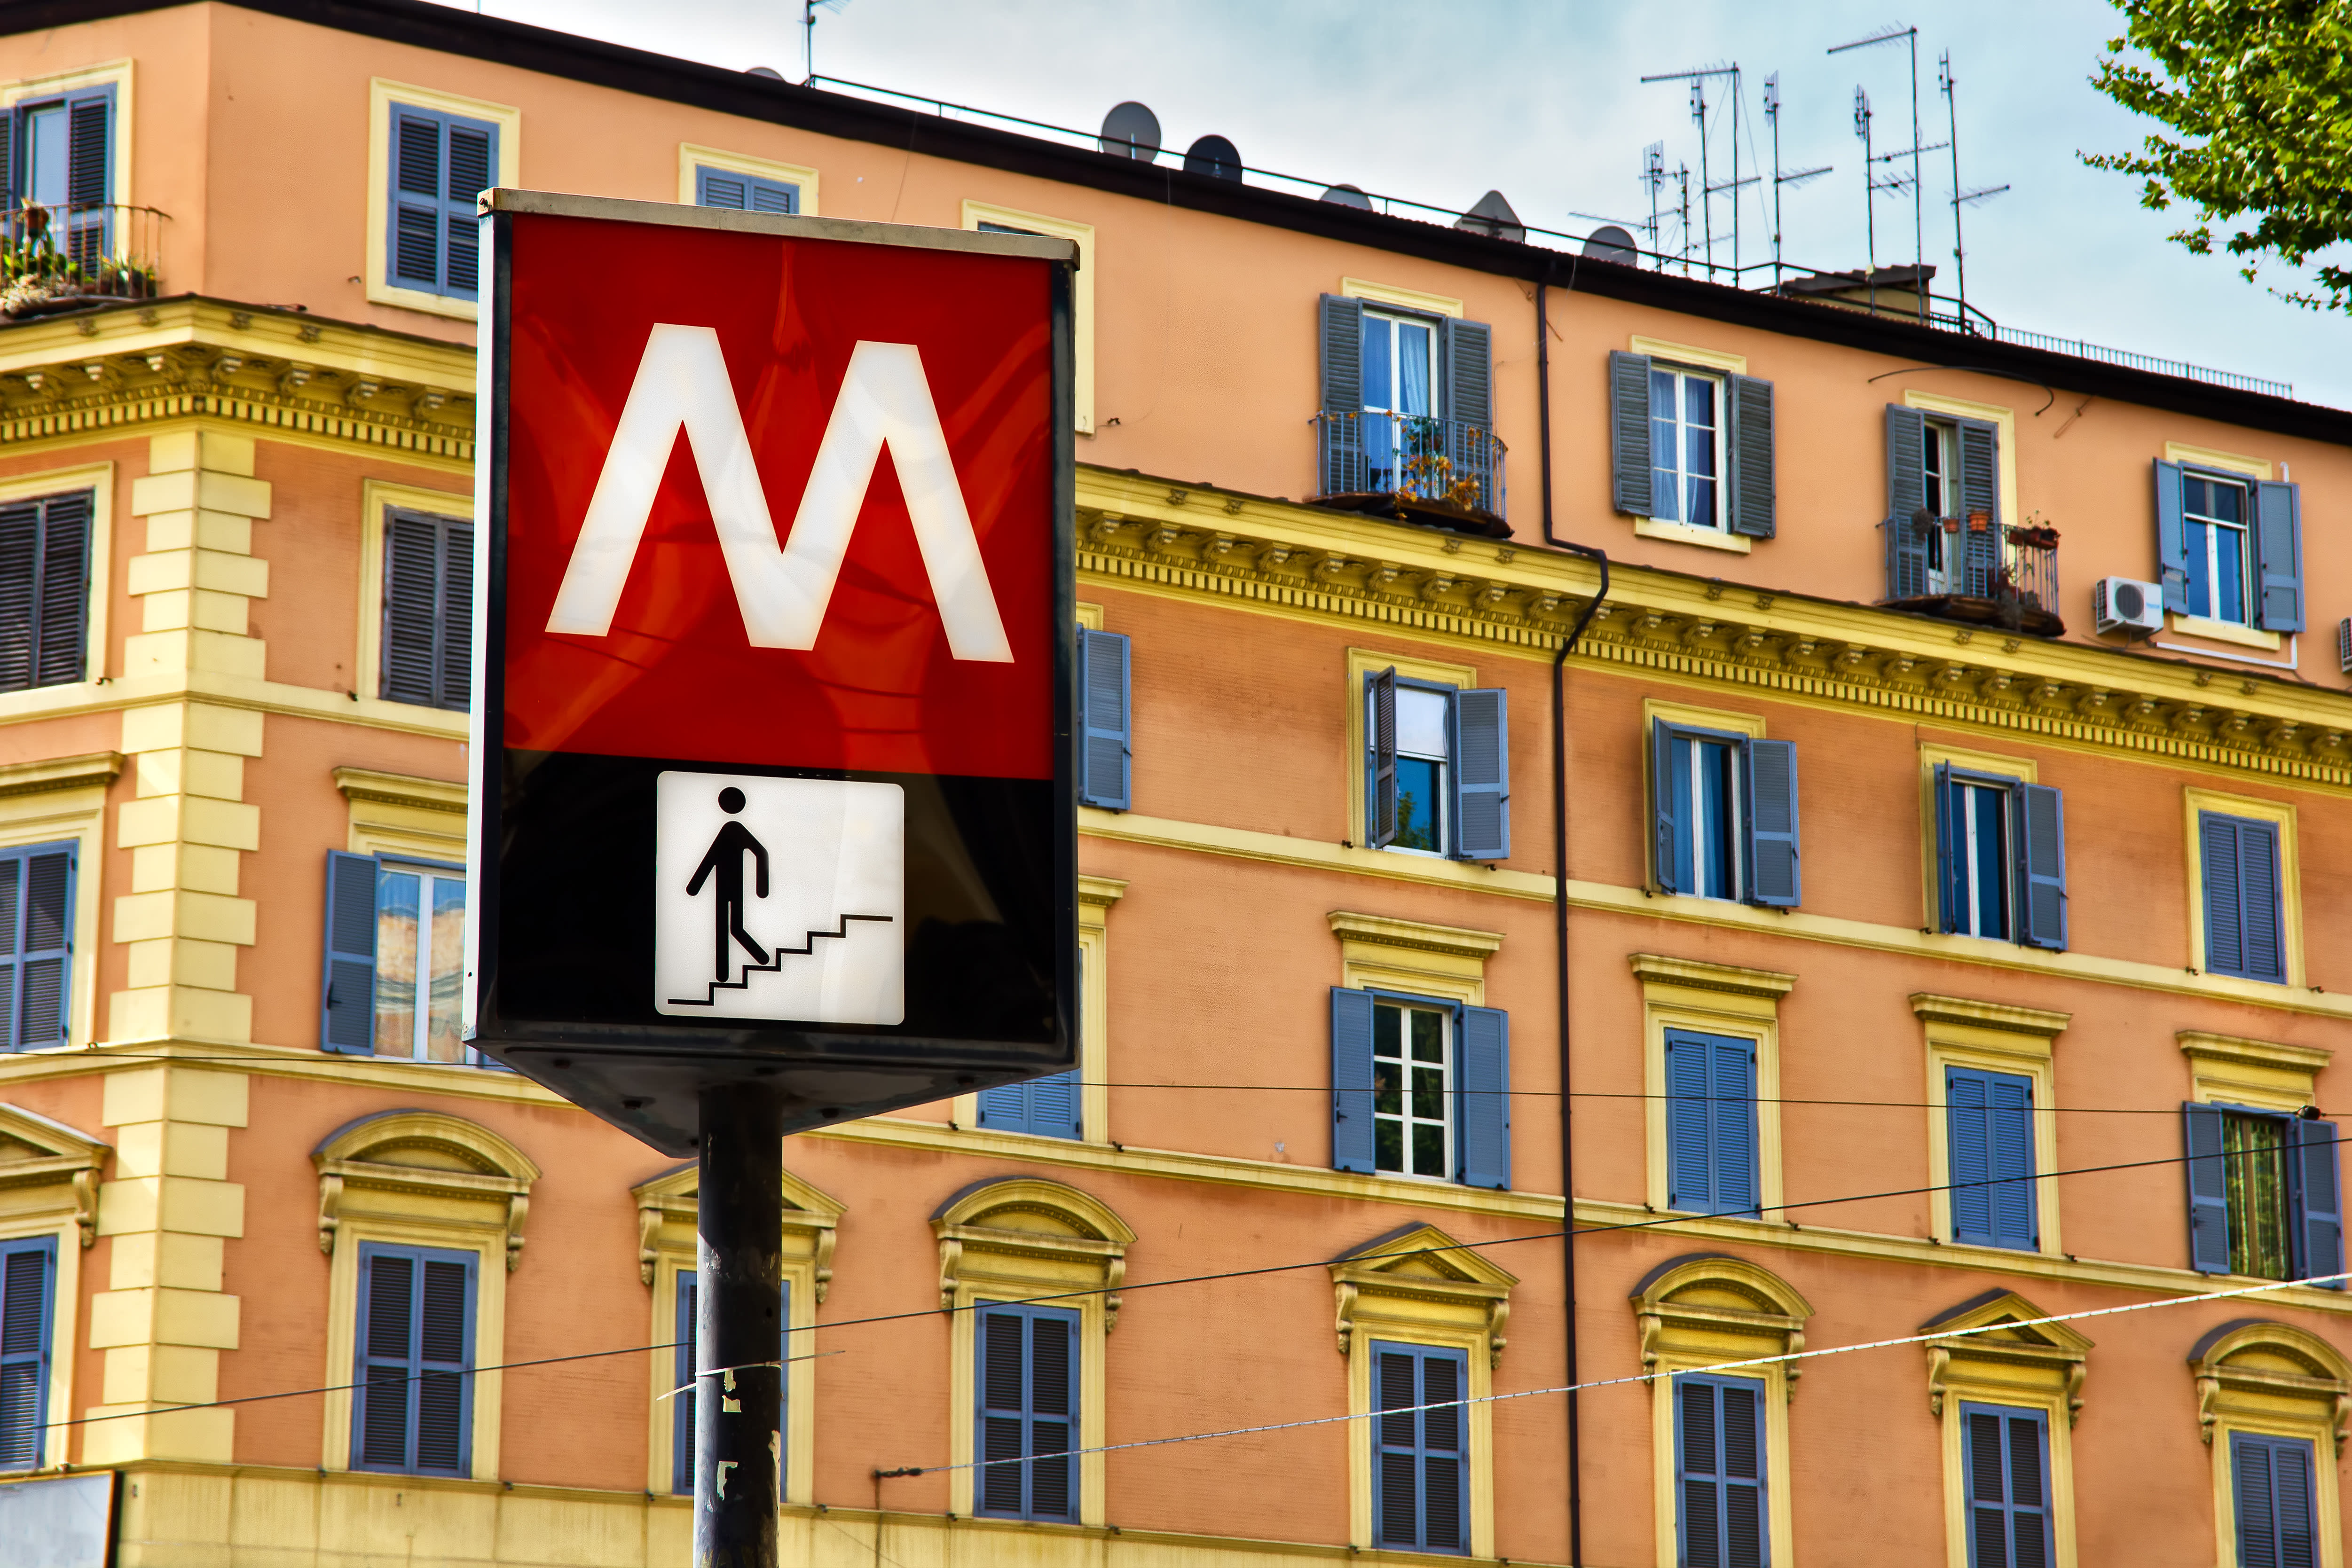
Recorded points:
(1971, 568)
(1444, 471)
(64, 256)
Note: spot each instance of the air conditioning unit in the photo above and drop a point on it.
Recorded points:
(2126, 604)
(2344, 646)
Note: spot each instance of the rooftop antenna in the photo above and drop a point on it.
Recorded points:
(1682, 178)
(1654, 175)
(1697, 79)
(1945, 82)
(1869, 194)
(809, 8)
(1910, 36)
(1781, 176)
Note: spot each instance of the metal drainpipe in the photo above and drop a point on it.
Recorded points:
(1559, 898)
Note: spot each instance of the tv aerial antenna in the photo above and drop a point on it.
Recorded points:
(809, 10)
(1945, 83)
(1698, 79)
(1893, 32)
(1782, 178)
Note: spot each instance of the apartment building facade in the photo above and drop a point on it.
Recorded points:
(1934, 963)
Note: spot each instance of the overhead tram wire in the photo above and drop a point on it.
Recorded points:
(1572, 1234)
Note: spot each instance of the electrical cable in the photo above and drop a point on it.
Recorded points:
(2005, 1326)
(1572, 1234)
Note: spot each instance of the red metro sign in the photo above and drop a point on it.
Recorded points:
(776, 607)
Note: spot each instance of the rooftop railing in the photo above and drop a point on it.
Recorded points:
(1410, 458)
(66, 256)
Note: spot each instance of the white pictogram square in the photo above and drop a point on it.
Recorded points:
(780, 898)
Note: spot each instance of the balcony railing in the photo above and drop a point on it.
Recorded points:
(1972, 568)
(1448, 463)
(63, 257)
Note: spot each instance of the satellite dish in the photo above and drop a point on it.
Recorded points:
(1349, 196)
(1493, 217)
(1131, 131)
(771, 73)
(1213, 155)
(1609, 243)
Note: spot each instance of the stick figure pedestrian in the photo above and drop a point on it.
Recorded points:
(725, 863)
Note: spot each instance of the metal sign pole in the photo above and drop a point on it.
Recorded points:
(739, 1327)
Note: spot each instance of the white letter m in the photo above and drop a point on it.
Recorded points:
(885, 401)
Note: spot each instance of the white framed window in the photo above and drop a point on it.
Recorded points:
(420, 961)
(1413, 1080)
(1399, 365)
(1703, 782)
(2216, 515)
(1979, 849)
(1686, 454)
(1423, 715)
(1939, 469)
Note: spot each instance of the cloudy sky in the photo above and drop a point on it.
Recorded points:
(1542, 99)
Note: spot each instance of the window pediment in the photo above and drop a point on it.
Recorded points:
(1418, 1276)
(2253, 1368)
(46, 1167)
(427, 1168)
(1712, 1306)
(1032, 1236)
(665, 1221)
(1996, 1347)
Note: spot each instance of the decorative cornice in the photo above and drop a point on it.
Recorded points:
(1380, 931)
(1288, 559)
(1100, 892)
(63, 1157)
(671, 1198)
(1419, 1262)
(2055, 1350)
(2239, 1051)
(1987, 1015)
(190, 357)
(1698, 975)
(90, 770)
(400, 790)
(362, 1154)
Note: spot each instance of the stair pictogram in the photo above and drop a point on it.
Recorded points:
(776, 957)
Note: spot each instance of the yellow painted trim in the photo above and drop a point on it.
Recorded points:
(1091, 616)
(1727, 719)
(98, 479)
(2212, 457)
(800, 175)
(1378, 953)
(54, 1193)
(75, 814)
(1082, 292)
(1279, 849)
(2195, 799)
(1691, 533)
(115, 72)
(2317, 1431)
(2022, 768)
(2057, 1422)
(1998, 1038)
(1363, 662)
(2003, 418)
(987, 1255)
(396, 815)
(64, 1312)
(1688, 355)
(1717, 999)
(1372, 293)
(1476, 1358)
(376, 495)
(382, 93)
(1095, 895)
(1653, 711)
(2213, 631)
(2232, 1070)
(342, 1328)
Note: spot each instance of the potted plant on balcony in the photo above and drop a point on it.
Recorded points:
(37, 277)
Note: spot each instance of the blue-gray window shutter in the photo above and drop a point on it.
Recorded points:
(1719, 1492)
(440, 162)
(28, 1304)
(2320, 1200)
(1026, 1378)
(2244, 917)
(1466, 351)
(347, 990)
(37, 896)
(1990, 1135)
(412, 1409)
(1340, 350)
(1732, 1113)
(744, 192)
(1048, 1107)
(2040, 865)
(1665, 806)
(1980, 549)
(1948, 859)
(2270, 1482)
(1710, 1123)
(1106, 719)
(2278, 555)
(1421, 1450)
(1629, 432)
(1774, 874)
(682, 1376)
(1351, 1081)
(428, 610)
(44, 590)
(1752, 484)
(1380, 785)
(1485, 1098)
(1482, 774)
(2172, 539)
(2009, 1487)
(2208, 1193)
(2225, 945)
(1906, 481)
